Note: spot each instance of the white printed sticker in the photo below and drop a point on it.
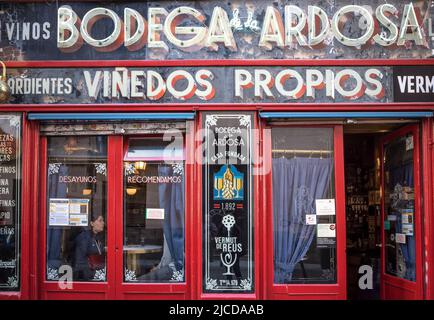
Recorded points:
(326, 230)
(311, 219)
(325, 207)
(400, 238)
(409, 143)
(155, 214)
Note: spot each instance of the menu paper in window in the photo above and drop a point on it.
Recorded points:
(153, 213)
(69, 212)
(407, 229)
(407, 217)
(79, 212)
(59, 212)
(326, 230)
(325, 207)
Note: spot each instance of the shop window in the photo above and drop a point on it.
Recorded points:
(399, 208)
(304, 218)
(77, 208)
(154, 201)
(10, 201)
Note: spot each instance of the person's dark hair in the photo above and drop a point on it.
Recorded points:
(95, 216)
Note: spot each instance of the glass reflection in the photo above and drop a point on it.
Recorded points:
(304, 240)
(153, 219)
(399, 217)
(76, 207)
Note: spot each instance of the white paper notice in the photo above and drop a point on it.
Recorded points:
(326, 230)
(155, 214)
(325, 207)
(58, 212)
(409, 145)
(78, 220)
(78, 206)
(407, 229)
(400, 238)
(69, 212)
(78, 212)
(311, 219)
(407, 218)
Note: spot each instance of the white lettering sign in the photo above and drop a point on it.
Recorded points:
(186, 28)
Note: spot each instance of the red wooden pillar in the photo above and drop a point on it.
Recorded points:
(428, 214)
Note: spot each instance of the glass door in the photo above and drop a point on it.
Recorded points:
(401, 212)
(115, 217)
(154, 211)
(151, 229)
(75, 223)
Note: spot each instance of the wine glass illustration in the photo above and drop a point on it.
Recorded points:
(238, 185)
(228, 259)
(218, 185)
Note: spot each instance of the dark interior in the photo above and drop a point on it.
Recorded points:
(363, 206)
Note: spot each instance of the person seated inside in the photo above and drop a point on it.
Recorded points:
(89, 250)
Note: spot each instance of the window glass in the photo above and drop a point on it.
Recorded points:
(77, 207)
(10, 201)
(154, 148)
(153, 217)
(399, 216)
(228, 264)
(304, 228)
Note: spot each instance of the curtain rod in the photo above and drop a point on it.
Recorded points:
(300, 151)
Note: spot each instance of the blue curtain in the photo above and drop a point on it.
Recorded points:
(54, 234)
(172, 200)
(297, 183)
(404, 176)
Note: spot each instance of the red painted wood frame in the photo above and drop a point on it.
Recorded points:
(32, 168)
(114, 287)
(166, 291)
(306, 291)
(393, 287)
(428, 217)
(80, 290)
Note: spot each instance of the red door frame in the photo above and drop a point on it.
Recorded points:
(307, 291)
(81, 290)
(114, 287)
(408, 289)
(428, 217)
(166, 291)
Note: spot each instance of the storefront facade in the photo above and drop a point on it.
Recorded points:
(207, 150)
